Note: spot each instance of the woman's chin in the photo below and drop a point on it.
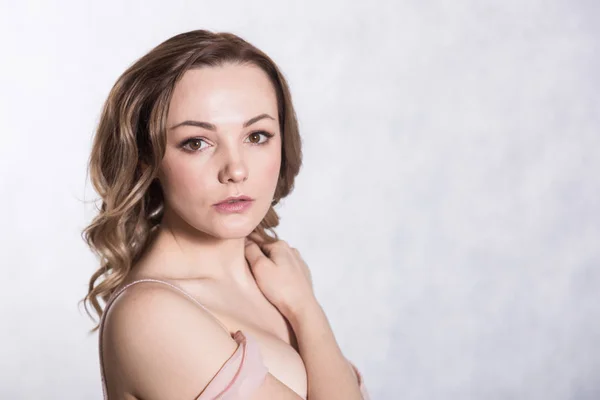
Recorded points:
(232, 230)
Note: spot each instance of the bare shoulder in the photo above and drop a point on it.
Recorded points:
(167, 347)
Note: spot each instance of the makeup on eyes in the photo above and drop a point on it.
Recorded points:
(201, 139)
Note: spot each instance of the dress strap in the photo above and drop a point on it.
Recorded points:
(114, 296)
(172, 285)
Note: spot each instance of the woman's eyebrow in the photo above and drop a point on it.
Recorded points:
(211, 127)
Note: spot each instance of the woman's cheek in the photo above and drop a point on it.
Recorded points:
(273, 170)
(273, 167)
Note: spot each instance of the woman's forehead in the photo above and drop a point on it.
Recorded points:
(224, 95)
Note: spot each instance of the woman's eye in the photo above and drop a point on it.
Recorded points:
(193, 144)
(257, 135)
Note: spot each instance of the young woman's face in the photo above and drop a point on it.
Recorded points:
(202, 167)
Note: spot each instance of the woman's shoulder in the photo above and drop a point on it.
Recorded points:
(147, 308)
(153, 334)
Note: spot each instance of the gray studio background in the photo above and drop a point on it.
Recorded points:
(448, 203)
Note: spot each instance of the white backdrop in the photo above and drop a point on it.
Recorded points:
(447, 206)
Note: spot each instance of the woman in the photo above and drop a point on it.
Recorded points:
(197, 141)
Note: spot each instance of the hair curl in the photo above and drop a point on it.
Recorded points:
(129, 144)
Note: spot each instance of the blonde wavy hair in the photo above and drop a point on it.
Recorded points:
(129, 144)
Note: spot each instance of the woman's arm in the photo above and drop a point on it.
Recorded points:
(330, 376)
(286, 281)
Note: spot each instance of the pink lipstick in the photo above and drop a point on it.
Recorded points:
(234, 204)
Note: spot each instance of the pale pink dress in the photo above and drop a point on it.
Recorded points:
(241, 374)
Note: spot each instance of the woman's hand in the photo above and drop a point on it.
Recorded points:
(281, 274)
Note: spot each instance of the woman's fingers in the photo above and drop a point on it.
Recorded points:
(256, 237)
(255, 255)
(280, 272)
(267, 248)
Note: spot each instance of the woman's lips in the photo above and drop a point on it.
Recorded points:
(235, 207)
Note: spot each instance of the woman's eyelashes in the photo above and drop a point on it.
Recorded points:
(193, 145)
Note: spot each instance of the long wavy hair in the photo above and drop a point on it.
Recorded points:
(129, 144)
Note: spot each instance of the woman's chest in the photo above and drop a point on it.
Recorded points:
(260, 319)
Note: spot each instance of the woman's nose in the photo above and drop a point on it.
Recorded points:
(234, 168)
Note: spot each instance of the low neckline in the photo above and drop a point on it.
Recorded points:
(247, 349)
